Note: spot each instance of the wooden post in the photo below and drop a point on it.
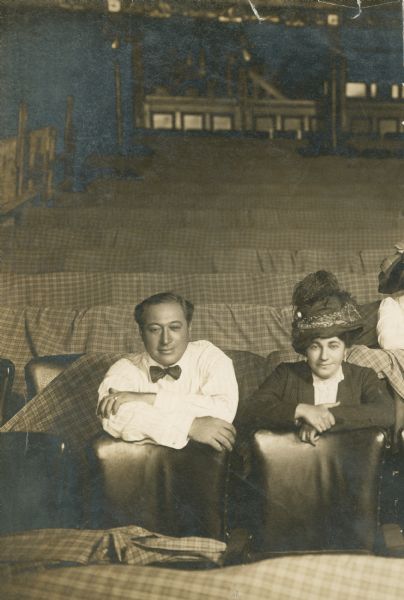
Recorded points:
(229, 76)
(243, 92)
(336, 104)
(20, 154)
(333, 108)
(49, 163)
(118, 105)
(69, 144)
(138, 82)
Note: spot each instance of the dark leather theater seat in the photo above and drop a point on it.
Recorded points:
(312, 498)
(38, 484)
(175, 492)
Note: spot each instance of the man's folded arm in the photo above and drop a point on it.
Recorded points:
(137, 421)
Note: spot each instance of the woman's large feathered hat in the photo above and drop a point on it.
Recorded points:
(391, 276)
(322, 309)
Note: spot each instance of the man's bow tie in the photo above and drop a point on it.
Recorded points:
(157, 373)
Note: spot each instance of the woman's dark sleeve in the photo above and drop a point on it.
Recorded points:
(268, 407)
(376, 408)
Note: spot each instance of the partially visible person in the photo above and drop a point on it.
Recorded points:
(390, 323)
(323, 392)
(175, 391)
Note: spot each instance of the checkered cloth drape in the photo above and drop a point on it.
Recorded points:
(80, 290)
(191, 238)
(196, 260)
(35, 331)
(307, 577)
(218, 218)
(130, 545)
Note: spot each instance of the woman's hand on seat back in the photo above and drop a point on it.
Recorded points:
(319, 417)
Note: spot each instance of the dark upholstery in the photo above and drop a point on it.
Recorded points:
(7, 371)
(323, 497)
(38, 488)
(41, 370)
(175, 492)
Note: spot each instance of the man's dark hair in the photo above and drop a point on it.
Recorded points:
(163, 298)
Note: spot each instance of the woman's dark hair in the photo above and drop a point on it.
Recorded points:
(163, 298)
(348, 337)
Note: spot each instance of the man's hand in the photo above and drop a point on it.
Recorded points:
(319, 417)
(308, 434)
(109, 405)
(214, 432)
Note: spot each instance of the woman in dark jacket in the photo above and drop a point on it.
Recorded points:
(323, 392)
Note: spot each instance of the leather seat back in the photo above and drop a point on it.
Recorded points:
(311, 498)
(174, 492)
(39, 482)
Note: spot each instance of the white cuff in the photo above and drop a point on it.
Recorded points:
(176, 433)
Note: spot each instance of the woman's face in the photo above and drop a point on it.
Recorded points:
(325, 355)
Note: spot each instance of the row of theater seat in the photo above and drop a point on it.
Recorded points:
(85, 290)
(274, 191)
(296, 498)
(198, 260)
(194, 238)
(241, 260)
(267, 219)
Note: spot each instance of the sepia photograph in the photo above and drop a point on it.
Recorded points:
(202, 312)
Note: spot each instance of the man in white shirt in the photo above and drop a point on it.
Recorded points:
(176, 390)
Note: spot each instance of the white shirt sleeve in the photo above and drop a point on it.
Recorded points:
(137, 421)
(390, 325)
(217, 397)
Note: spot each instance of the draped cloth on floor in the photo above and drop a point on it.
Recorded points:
(130, 545)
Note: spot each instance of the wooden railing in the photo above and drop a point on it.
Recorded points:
(227, 114)
(261, 107)
(26, 165)
(8, 173)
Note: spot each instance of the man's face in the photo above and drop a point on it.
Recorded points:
(325, 355)
(165, 332)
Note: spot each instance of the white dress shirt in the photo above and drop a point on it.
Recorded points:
(390, 323)
(326, 390)
(207, 387)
